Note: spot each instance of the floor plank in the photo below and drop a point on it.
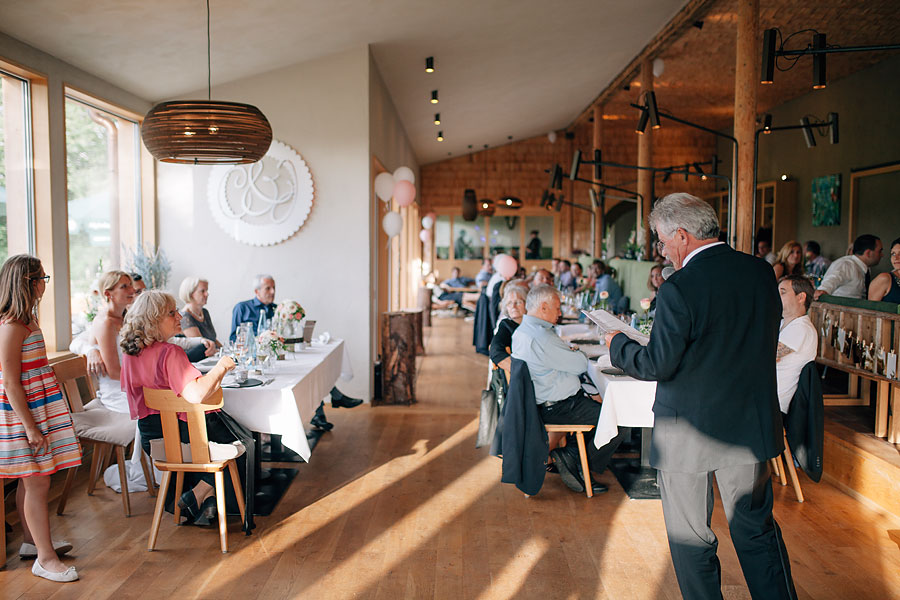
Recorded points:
(398, 503)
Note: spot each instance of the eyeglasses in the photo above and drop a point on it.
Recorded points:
(660, 246)
(46, 278)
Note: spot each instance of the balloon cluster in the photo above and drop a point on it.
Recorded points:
(401, 186)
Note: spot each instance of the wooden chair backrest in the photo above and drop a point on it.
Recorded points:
(169, 404)
(68, 372)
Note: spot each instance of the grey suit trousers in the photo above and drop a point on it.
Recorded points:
(746, 492)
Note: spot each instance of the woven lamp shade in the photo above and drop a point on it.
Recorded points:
(206, 132)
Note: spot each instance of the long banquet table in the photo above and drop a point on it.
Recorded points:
(286, 405)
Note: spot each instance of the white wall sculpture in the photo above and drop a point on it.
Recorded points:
(262, 203)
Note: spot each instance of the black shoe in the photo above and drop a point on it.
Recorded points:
(345, 402)
(188, 505)
(208, 513)
(319, 422)
(551, 468)
(568, 469)
(598, 488)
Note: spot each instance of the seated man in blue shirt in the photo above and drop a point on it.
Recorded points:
(555, 369)
(248, 311)
(448, 298)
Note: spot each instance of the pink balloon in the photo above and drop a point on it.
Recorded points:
(425, 236)
(404, 192)
(506, 265)
(433, 215)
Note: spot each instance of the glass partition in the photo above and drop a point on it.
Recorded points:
(442, 237)
(538, 238)
(505, 235)
(468, 238)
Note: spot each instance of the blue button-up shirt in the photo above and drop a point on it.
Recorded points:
(553, 366)
(248, 312)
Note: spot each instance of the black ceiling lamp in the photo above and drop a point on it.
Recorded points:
(642, 122)
(511, 202)
(469, 205)
(819, 62)
(486, 207)
(206, 132)
(767, 73)
(767, 124)
(437, 118)
(808, 132)
(434, 96)
(699, 169)
(429, 64)
(440, 136)
(545, 198)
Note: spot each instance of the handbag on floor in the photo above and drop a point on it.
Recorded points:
(491, 401)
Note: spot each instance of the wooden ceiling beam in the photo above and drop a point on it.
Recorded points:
(692, 12)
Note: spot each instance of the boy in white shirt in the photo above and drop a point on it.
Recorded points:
(797, 337)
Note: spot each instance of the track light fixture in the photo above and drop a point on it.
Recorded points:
(545, 198)
(429, 64)
(833, 119)
(819, 62)
(559, 203)
(512, 202)
(440, 136)
(434, 96)
(437, 118)
(699, 169)
(598, 168)
(767, 124)
(556, 177)
(651, 108)
(576, 162)
(767, 73)
(808, 132)
(642, 122)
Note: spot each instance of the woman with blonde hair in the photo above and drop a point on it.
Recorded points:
(117, 291)
(150, 361)
(789, 260)
(196, 322)
(512, 308)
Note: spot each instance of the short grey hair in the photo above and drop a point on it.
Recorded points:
(684, 211)
(188, 287)
(512, 290)
(538, 295)
(258, 280)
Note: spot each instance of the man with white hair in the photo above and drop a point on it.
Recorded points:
(555, 369)
(263, 302)
(712, 353)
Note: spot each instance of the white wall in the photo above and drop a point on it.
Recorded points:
(319, 108)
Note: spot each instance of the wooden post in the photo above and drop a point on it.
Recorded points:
(645, 159)
(599, 220)
(746, 82)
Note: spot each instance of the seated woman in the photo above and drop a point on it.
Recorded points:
(606, 283)
(654, 280)
(196, 322)
(150, 361)
(117, 291)
(581, 282)
(886, 286)
(512, 308)
(789, 260)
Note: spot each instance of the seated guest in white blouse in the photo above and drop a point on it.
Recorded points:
(195, 320)
(797, 337)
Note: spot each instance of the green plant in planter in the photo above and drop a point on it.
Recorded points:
(150, 263)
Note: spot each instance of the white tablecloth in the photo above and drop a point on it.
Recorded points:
(627, 402)
(286, 405)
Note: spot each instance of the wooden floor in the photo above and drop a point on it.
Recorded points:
(397, 503)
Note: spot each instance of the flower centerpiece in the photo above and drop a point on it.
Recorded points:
(270, 343)
(634, 248)
(289, 316)
(645, 324)
(603, 300)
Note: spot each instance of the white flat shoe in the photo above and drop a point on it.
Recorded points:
(27, 551)
(69, 574)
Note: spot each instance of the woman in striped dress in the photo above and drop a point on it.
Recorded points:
(36, 434)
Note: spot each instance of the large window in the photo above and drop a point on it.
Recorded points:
(538, 245)
(505, 234)
(469, 238)
(442, 237)
(16, 183)
(103, 175)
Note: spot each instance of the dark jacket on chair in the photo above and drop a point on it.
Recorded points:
(805, 422)
(483, 329)
(520, 436)
(495, 304)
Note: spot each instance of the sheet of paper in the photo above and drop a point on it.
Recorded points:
(608, 322)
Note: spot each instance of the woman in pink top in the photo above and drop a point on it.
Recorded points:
(149, 361)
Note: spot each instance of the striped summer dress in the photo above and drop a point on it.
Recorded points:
(50, 412)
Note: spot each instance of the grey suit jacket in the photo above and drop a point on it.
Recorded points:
(712, 350)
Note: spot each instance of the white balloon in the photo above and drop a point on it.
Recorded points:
(659, 66)
(552, 137)
(405, 174)
(392, 223)
(384, 186)
(427, 222)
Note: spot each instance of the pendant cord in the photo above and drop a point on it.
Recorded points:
(208, 59)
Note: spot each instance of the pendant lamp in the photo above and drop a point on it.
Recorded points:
(206, 132)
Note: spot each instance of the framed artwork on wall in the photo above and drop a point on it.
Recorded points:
(826, 200)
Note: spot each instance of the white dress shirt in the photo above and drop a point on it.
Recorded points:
(845, 277)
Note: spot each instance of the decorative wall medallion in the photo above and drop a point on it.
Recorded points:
(262, 203)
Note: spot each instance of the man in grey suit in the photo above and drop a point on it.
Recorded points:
(712, 352)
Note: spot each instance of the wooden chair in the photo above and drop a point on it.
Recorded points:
(556, 438)
(2, 524)
(105, 430)
(778, 469)
(201, 460)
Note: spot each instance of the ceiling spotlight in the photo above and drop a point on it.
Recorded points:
(576, 162)
(698, 24)
(595, 202)
(703, 176)
(833, 119)
(808, 132)
(513, 202)
(440, 136)
(557, 177)
(784, 177)
(598, 170)
(651, 108)
(545, 198)
(434, 98)
(819, 62)
(642, 121)
(767, 74)
(429, 64)
(551, 200)
(437, 118)
(666, 176)
(559, 203)
(767, 124)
